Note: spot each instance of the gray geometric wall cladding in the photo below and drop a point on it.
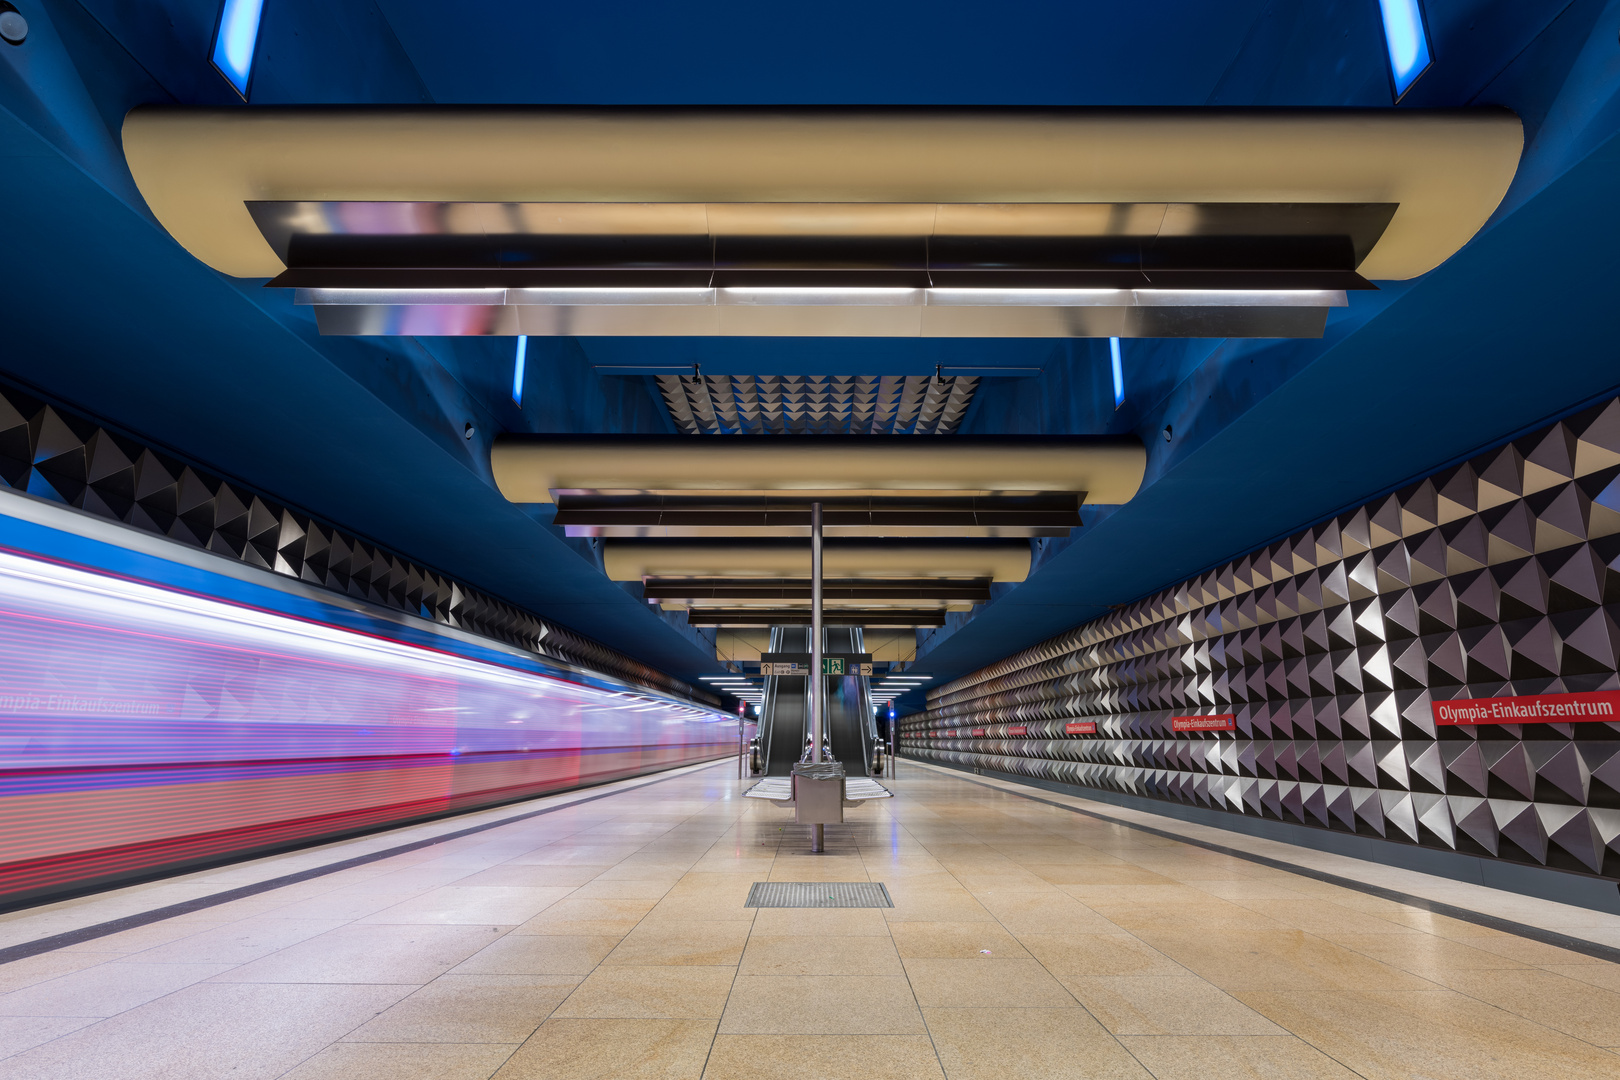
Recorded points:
(1495, 578)
(57, 455)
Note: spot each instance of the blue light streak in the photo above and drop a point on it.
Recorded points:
(1119, 374)
(234, 41)
(517, 369)
(1407, 40)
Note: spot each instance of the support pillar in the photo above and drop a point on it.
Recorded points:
(817, 684)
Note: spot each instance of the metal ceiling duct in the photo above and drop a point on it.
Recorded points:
(822, 222)
(538, 468)
(637, 560)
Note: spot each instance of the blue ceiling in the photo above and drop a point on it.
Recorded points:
(107, 314)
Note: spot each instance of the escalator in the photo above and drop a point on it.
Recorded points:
(850, 727)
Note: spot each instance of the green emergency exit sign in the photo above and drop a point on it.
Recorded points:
(832, 665)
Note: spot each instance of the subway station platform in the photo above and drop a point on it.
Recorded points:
(604, 933)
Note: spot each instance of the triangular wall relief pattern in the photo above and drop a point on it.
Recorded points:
(1497, 577)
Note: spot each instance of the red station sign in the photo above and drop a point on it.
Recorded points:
(1019, 730)
(1080, 727)
(1218, 722)
(1599, 705)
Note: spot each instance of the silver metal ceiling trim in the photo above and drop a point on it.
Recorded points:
(855, 296)
(725, 320)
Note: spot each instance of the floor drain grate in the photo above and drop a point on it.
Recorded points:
(832, 894)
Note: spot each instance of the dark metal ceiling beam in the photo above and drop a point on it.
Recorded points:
(801, 617)
(976, 591)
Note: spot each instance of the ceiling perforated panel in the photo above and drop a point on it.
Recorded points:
(817, 404)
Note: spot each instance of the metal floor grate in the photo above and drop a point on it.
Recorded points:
(828, 894)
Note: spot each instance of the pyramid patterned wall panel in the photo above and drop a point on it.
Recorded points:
(817, 404)
(1495, 578)
(65, 458)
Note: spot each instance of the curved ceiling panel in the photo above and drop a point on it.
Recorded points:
(1446, 171)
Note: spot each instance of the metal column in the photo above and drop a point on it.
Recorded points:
(817, 835)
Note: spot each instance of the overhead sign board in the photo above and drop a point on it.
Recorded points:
(830, 665)
(1598, 706)
(1218, 722)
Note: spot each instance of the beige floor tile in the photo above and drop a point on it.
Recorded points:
(404, 1061)
(470, 1009)
(623, 889)
(985, 982)
(1166, 1005)
(596, 907)
(530, 876)
(1426, 954)
(1090, 874)
(954, 941)
(539, 954)
(238, 942)
(207, 1031)
(1574, 1007)
(801, 955)
(45, 966)
(688, 942)
(1595, 972)
(819, 922)
(505, 904)
(105, 990)
(19, 1033)
(613, 1050)
(1252, 889)
(1053, 913)
(815, 868)
(822, 1004)
(1330, 921)
(1434, 1034)
(650, 992)
(1279, 960)
(1233, 1057)
(712, 906)
(572, 852)
(812, 1057)
(1213, 914)
(1027, 1044)
(935, 906)
(1098, 954)
(369, 953)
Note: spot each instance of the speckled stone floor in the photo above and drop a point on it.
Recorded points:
(609, 939)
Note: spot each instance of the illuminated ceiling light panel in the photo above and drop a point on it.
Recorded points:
(1407, 39)
(234, 40)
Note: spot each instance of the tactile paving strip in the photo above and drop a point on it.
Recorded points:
(818, 894)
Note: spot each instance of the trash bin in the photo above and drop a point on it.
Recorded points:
(818, 793)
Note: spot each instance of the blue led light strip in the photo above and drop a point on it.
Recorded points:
(1119, 374)
(235, 39)
(1408, 42)
(517, 368)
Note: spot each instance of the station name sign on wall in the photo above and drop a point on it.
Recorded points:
(1598, 705)
(1218, 722)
